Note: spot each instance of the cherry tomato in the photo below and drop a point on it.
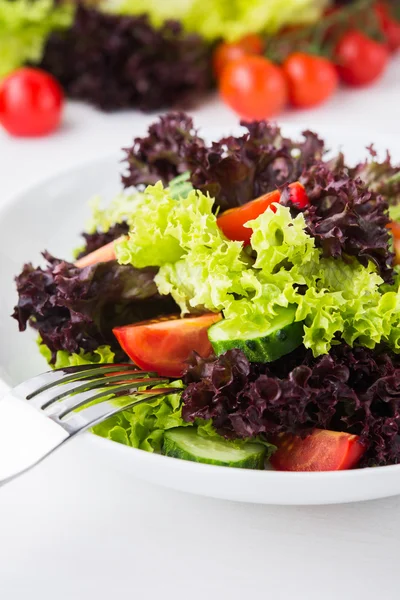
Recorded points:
(389, 25)
(103, 254)
(311, 79)
(254, 87)
(322, 450)
(227, 52)
(252, 43)
(164, 345)
(31, 103)
(232, 221)
(360, 60)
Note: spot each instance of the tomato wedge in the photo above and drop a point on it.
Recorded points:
(103, 254)
(232, 221)
(322, 450)
(164, 345)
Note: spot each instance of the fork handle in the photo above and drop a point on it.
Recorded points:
(26, 437)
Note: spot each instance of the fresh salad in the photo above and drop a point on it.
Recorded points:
(260, 277)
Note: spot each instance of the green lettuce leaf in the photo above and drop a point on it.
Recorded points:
(214, 19)
(198, 265)
(103, 354)
(337, 299)
(25, 26)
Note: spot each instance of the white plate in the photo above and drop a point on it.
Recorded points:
(50, 216)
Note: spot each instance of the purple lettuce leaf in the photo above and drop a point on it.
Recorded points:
(354, 390)
(75, 309)
(346, 217)
(381, 177)
(116, 62)
(162, 155)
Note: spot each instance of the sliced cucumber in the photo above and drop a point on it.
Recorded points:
(284, 335)
(185, 443)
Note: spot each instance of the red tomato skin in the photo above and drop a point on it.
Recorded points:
(298, 195)
(311, 79)
(232, 221)
(164, 345)
(31, 103)
(389, 25)
(322, 450)
(254, 87)
(359, 59)
(226, 52)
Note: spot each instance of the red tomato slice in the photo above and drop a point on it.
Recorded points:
(164, 345)
(322, 450)
(232, 221)
(103, 254)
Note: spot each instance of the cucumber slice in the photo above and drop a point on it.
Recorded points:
(185, 443)
(284, 335)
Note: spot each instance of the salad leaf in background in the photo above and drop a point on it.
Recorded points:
(116, 61)
(75, 309)
(351, 389)
(25, 26)
(215, 19)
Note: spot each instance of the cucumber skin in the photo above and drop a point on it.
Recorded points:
(264, 349)
(255, 461)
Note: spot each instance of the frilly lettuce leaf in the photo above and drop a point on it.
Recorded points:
(215, 19)
(25, 26)
(337, 299)
(103, 354)
(199, 267)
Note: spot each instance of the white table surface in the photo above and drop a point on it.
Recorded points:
(74, 528)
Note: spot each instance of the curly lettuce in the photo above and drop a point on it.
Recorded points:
(140, 427)
(214, 19)
(336, 298)
(25, 26)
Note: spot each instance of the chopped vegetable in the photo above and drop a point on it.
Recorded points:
(322, 450)
(187, 444)
(355, 390)
(262, 345)
(233, 222)
(165, 345)
(103, 254)
(75, 309)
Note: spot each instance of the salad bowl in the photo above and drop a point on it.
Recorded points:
(50, 216)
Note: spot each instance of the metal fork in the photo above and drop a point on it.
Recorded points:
(41, 414)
